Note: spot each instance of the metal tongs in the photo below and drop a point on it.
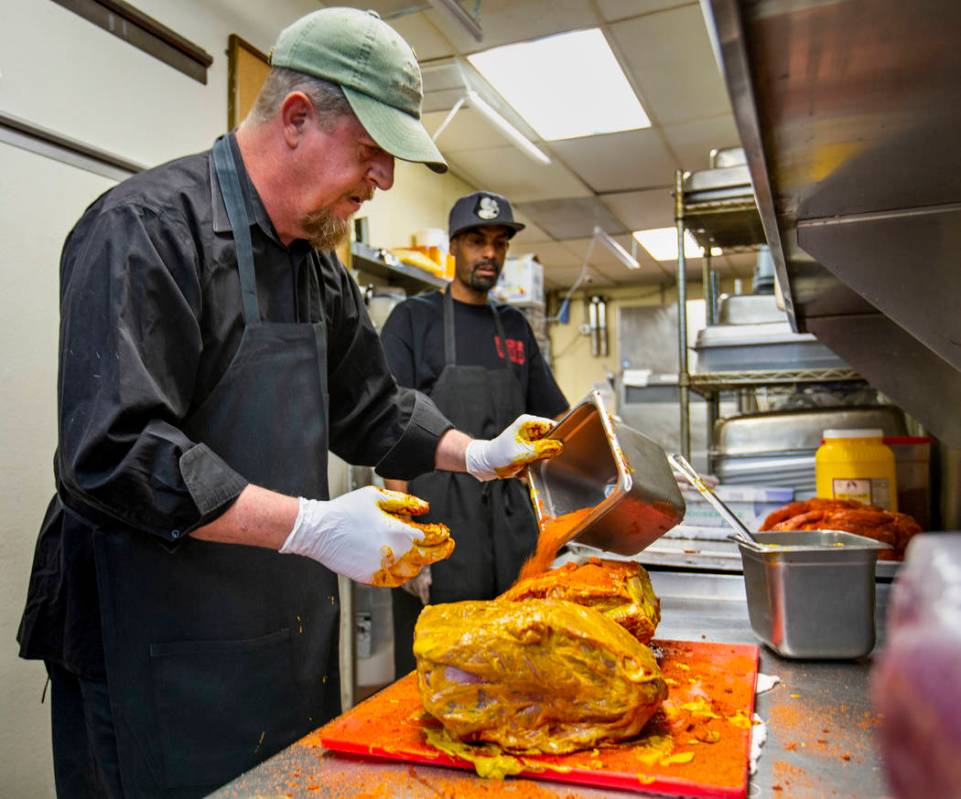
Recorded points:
(741, 533)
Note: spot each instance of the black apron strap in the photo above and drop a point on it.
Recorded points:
(450, 343)
(450, 340)
(240, 222)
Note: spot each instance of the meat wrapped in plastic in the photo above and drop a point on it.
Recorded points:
(534, 676)
(916, 681)
(621, 590)
(850, 516)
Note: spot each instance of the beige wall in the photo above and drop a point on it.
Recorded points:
(420, 199)
(575, 369)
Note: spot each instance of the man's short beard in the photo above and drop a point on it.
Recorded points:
(324, 229)
(482, 283)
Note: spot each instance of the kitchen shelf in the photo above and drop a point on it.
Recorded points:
(718, 207)
(383, 264)
(709, 382)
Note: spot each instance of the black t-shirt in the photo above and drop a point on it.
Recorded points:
(413, 339)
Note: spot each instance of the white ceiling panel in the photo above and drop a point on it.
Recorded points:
(601, 256)
(692, 142)
(560, 276)
(419, 33)
(508, 21)
(572, 217)
(530, 234)
(613, 10)
(468, 130)
(551, 254)
(508, 171)
(603, 259)
(642, 210)
(670, 57)
(635, 159)
(741, 262)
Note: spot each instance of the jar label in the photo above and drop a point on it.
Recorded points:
(870, 492)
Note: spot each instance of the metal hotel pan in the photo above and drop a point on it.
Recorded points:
(609, 467)
(810, 594)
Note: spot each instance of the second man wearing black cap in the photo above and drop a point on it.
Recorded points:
(481, 365)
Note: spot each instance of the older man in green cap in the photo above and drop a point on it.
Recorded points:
(213, 350)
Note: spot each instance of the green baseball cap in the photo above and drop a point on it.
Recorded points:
(374, 66)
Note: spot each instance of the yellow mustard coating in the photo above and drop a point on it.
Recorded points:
(534, 676)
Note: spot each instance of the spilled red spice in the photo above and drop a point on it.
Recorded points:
(823, 731)
(702, 731)
(554, 533)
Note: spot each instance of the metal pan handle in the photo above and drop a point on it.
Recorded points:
(741, 533)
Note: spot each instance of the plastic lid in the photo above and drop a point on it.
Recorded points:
(867, 432)
(913, 440)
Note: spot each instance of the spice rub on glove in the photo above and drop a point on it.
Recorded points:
(520, 444)
(364, 536)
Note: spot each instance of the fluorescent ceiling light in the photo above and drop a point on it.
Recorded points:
(661, 243)
(622, 255)
(565, 86)
(479, 104)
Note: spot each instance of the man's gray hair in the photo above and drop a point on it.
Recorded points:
(328, 98)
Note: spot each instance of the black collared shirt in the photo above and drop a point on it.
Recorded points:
(150, 320)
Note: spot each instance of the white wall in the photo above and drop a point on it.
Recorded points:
(61, 72)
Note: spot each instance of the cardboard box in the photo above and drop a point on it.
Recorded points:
(521, 281)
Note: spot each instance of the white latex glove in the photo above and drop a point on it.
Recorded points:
(507, 455)
(361, 536)
(420, 586)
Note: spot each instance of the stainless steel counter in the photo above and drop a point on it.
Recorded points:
(819, 723)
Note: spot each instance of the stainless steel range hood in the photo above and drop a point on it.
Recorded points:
(850, 114)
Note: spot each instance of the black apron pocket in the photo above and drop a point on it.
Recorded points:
(223, 706)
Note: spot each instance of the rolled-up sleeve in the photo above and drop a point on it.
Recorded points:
(373, 421)
(130, 345)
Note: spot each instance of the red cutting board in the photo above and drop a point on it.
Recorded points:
(707, 713)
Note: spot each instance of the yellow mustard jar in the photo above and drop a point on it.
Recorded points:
(856, 464)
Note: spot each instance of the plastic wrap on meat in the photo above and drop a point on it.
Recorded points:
(916, 681)
(621, 590)
(534, 676)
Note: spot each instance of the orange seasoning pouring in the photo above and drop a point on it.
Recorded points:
(554, 533)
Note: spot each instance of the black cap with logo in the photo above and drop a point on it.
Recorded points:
(481, 208)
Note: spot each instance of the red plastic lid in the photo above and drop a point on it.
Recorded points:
(908, 439)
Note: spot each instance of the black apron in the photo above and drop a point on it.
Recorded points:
(493, 522)
(217, 656)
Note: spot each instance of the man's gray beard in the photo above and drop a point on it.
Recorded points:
(324, 229)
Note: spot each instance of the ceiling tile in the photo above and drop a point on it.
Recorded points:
(605, 260)
(560, 276)
(613, 10)
(741, 262)
(692, 142)
(601, 256)
(418, 32)
(508, 21)
(388, 9)
(508, 171)
(642, 210)
(530, 234)
(572, 217)
(551, 254)
(671, 59)
(468, 130)
(635, 159)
